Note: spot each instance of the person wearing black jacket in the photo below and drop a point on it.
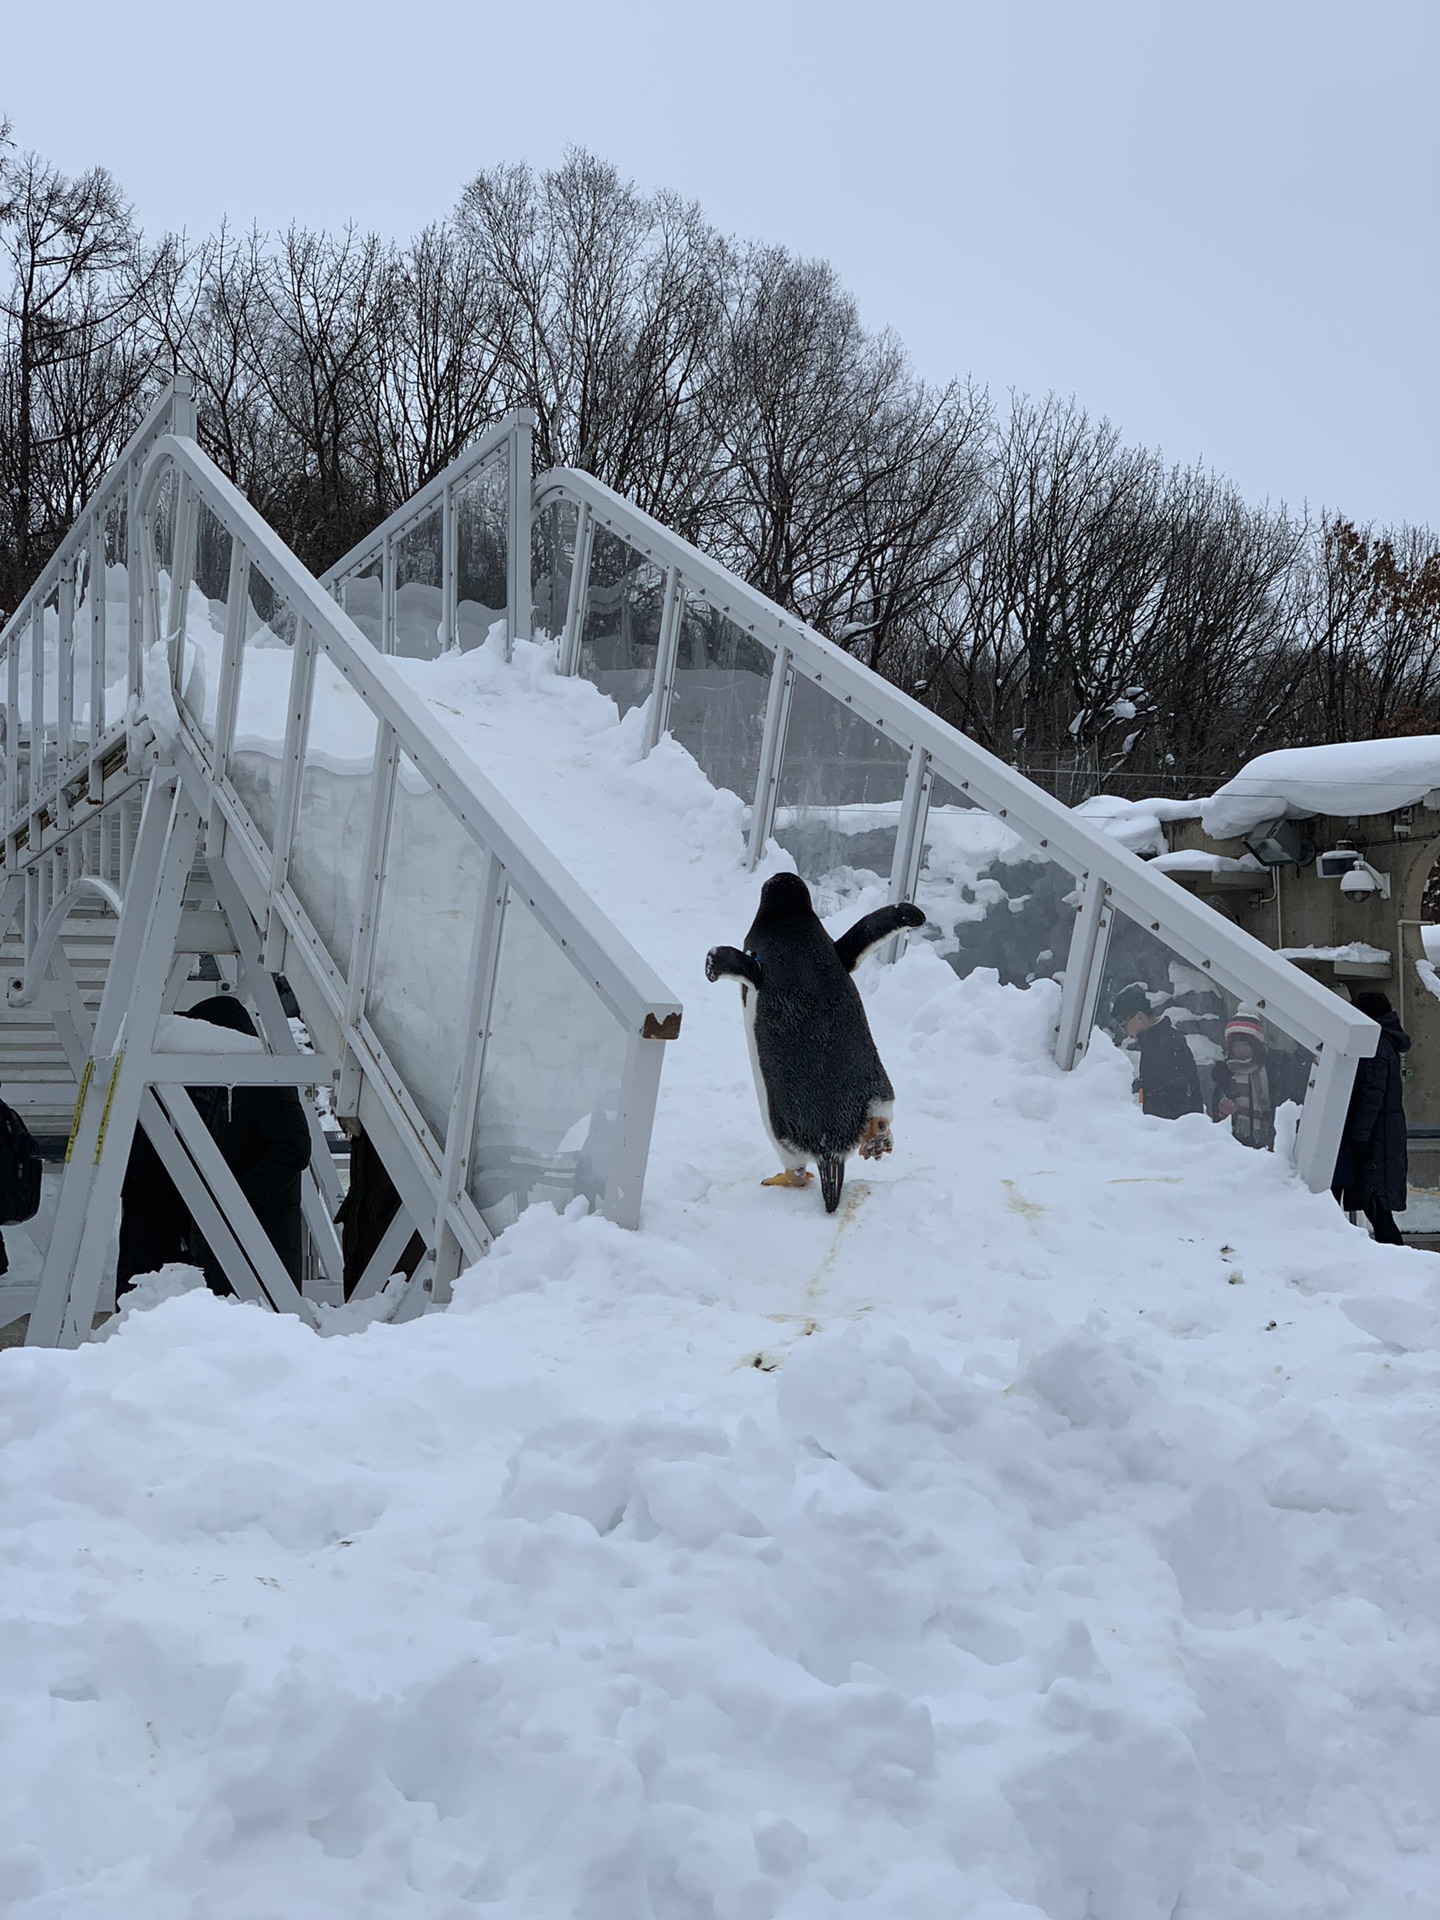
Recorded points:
(1169, 1081)
(1372, 1168)
(263, 1135)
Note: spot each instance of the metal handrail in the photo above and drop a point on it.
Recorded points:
(624, 979)
(1229, 954)
(174, 411)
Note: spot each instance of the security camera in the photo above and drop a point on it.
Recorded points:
(1363, 882)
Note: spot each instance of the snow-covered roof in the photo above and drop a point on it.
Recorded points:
(1350, 778)
(1137, 824)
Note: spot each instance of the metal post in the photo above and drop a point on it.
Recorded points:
(98, 585)
(1079, 967)
(65, 670)
(772, 750)
(109, 1103)
(302, 679)
(236, 604)
(449, 610)
(517, 546)
(575, 599)
(363, 945)
(667, 646)
(639, 1089)
(460, 1128)
(1322, 1118)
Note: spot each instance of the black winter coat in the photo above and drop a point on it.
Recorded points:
(263, 1135)
(1169, 1079)
(1373, 1164)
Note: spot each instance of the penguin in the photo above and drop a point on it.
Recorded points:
(823, 1091)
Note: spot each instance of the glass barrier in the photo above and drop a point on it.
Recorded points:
(423, 931)
(22, 686)
(720, 692)
(111, 695)
(1233, 1064)
(993, 898)
(363, 598)
(552, 560)
(89, 596)
(45, 726)
(204, 615)
(480, 504)
(837, 804)
(163, 527)
(621, 632)
(262, 700)
(327, 854)
(419, 587)
(550, 1080)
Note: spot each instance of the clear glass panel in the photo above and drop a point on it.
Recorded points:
(619, 639)
(20, 694)
(204, 615)
(838, 799)
(993, 898)
(363, 598)
(45, 725)
(481, 552)
(550, 1081)
(428, 902)
(163, 525)
(86, 599)
(262, 701)
(419, 588)
(552, 560)
(1248, 1073)
(327, 855)
(722, 688)
(116, 655)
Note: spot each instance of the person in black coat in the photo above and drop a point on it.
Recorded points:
(1372, 1170)
(263, 1136)
(1169, 1081)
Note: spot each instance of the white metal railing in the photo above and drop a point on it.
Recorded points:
(488, 1018)
(444, 567)
(856, 729)
(71, 659)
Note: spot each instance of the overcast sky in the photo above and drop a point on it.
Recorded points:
(1214, 222)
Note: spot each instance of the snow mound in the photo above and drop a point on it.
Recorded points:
(1050, 1532)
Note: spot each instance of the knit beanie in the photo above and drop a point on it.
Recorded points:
(1245, 1026)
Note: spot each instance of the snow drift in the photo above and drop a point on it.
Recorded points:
(1051, 1532)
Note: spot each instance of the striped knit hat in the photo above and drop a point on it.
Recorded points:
(1245, 1026)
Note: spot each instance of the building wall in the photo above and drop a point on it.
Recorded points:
(1294, 907)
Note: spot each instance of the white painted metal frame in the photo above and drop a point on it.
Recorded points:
(1112, 878)
(333, 996)
(510, 441)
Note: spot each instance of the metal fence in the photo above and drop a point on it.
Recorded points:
(877, 798)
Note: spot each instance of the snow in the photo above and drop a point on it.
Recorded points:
(1429, 978)
(1051, 1532)
(1359, 951)
(1347, 779)
(1196, 860)
(1137, 824)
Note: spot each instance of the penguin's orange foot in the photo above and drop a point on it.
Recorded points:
(877, 1139)
(790, 1177)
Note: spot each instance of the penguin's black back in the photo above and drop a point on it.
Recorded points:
(821, 1071)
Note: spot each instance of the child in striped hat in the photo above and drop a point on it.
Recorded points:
(1242, 1082)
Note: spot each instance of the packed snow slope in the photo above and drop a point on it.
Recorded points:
(1053, 1531)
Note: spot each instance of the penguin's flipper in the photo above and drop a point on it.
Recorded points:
(729, 963)
(790, 1177)
(832, 1179)
(872, 928)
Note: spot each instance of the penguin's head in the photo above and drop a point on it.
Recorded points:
(785, 898)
